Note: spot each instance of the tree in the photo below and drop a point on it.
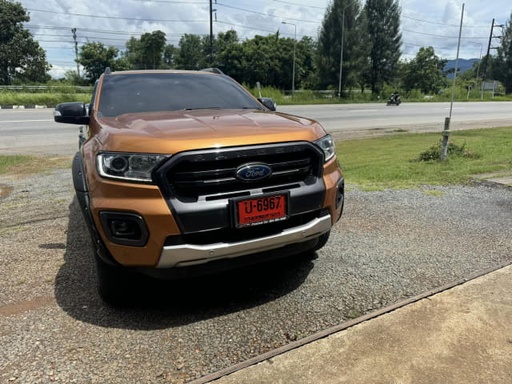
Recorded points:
(133, 53)
(95, 57)
(341, 16)
(266, 59)
(383, 17)
(191, 54)
(359, 68)
(470, 78)
(147, 52)
(232, 61)
(152, 47)
(208, 51)
(21, 58)
(424, 72)
(170, 52)
(282, 72)
(261, 60)
(224, 40)
(502, 64)
(228, 53)
(306, 65)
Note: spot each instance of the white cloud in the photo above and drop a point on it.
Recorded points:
(424, 23)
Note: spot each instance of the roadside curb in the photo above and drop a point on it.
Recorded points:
(29, 106)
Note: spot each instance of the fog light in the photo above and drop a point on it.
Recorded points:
(124, 228)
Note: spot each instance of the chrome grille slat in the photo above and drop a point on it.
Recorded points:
(202, 174)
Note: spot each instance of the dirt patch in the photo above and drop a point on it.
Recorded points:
(5, 190)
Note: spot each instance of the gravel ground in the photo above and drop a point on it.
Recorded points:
(389, 245)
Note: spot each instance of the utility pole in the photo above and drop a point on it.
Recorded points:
(76, 52)
(211, 30)
(446, 130)
(487, 56)
(294, 49)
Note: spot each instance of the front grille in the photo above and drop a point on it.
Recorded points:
(211, 174)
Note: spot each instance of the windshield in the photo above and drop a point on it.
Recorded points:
(154, 92)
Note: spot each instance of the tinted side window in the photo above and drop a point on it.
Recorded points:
(128, 93)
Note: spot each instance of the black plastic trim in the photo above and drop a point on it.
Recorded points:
(208, 214)
(79, 173)
(340, 193)
(83, 198)
(105, 216)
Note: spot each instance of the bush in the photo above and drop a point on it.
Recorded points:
(454, 150)
(48, 99)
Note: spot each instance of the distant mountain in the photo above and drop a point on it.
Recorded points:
(464, 65)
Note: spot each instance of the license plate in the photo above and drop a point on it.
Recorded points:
(261, 210)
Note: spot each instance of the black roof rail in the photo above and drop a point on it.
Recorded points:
(212, 70)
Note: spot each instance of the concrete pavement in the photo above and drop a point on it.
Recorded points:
(462, 335)
(503, 178)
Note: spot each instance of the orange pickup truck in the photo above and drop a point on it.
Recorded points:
(185, 172)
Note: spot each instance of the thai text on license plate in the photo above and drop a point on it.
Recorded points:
(261, 210)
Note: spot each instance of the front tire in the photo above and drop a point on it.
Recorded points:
(113, 283)
(322, 240)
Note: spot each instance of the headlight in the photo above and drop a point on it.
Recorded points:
(128, 166)
(326, 144)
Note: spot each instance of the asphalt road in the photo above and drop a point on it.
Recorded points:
(34, 131)
(356, 120)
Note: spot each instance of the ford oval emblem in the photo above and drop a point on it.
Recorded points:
(253, 172)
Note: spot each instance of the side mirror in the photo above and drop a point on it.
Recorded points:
(268, 102)
(71, 113)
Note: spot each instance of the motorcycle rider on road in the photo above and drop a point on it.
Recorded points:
(394, 98)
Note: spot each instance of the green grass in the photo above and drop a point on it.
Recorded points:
(48, 99)
(391, 162)
(7, 163)
(25, 165)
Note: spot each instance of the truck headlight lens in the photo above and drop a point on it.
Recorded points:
(128, 166)
(326, 144)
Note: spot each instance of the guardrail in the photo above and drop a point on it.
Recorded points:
(72, 88)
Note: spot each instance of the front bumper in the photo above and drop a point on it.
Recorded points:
(189, 254)
(314, 209)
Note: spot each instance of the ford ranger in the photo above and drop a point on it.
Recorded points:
(180, 172)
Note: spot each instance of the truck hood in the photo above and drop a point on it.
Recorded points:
(172, 132)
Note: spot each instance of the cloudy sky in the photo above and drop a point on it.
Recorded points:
(424, 22)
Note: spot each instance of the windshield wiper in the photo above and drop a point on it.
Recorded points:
(193, 109)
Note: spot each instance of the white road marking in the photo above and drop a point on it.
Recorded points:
(23, 121)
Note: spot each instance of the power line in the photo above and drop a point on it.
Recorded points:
(266, 14)
(82, 37)
(244, 26)
(170, 2)
(256, 29)
(117, 18)
(100, 31)
(443, 36)
(439, 23)
(83, 29)
(300, 5)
